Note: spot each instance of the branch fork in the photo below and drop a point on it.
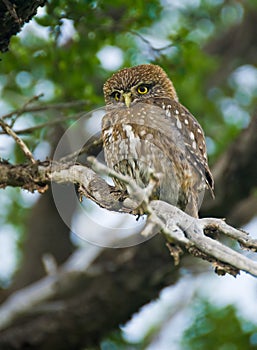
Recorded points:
(190, 233)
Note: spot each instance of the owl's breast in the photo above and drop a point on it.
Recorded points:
(135, 146)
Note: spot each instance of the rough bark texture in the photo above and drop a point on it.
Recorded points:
(13, 15)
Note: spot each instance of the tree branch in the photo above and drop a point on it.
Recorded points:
(43, 108)
(189, 232)
(18, 140)
(39, 308)
(178, 227)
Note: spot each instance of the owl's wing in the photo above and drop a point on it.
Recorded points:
(193, 137)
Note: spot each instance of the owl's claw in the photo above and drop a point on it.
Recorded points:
(120, 194)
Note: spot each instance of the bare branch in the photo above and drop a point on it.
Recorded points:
(189, 233)
(18, 140)
(89, 148)
(42, 108)
(48, 123)
(24, 108)
(148, 42)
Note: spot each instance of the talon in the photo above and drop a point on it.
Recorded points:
(121, 194)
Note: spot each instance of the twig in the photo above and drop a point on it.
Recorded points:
(57, 106)
(85, 149)
(146, 41)
(18, 140)
(50, 264)
(21, 110)
(48, 123)
(32, 99)
(220, 226)
(138, 194)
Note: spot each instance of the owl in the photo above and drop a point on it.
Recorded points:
(146, 131)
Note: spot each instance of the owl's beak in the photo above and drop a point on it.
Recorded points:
(127, 98)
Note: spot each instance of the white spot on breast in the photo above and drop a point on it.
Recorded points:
(186, 121)
(168, 113)
(194, 145)
(123, 147)
(199, 131)
(128, 129)
(176, 111)
(179, 125)
(133, 141)
(192, 136)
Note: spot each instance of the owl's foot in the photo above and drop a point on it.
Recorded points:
(121, 195)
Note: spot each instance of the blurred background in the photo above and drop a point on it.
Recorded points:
(66, 52)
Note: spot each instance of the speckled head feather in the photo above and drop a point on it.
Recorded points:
(151, 74)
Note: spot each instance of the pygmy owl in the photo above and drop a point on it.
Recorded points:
(146, 130)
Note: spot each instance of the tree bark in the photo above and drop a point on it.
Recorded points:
(13, 15)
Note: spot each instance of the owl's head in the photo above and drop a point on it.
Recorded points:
(137, 84)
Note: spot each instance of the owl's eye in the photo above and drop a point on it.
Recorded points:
(116, 95)
(142, 89)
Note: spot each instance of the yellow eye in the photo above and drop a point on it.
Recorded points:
(142, 89)
(116, 95)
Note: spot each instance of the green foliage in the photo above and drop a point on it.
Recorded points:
(218, 328)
